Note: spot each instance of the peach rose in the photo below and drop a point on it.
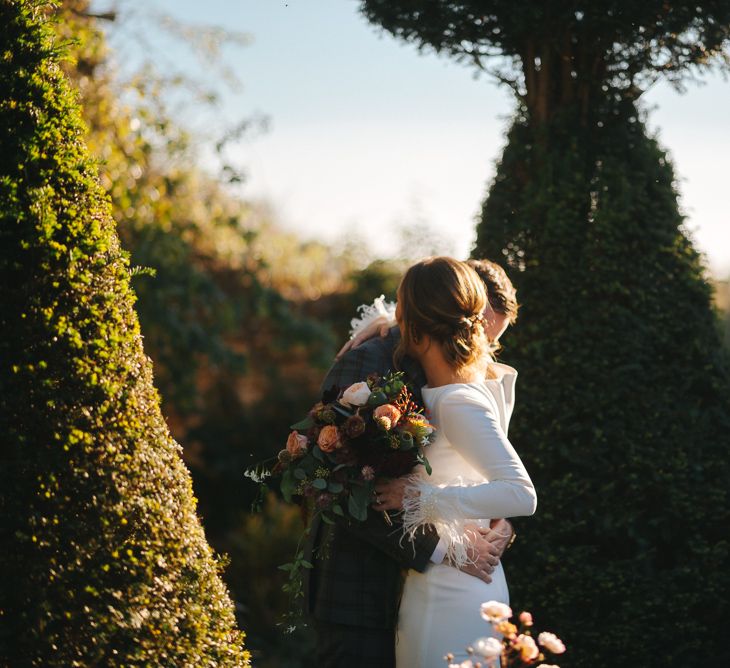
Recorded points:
(389, 411)
(551, 642)
(527, 647)
(329, 438)
(296, 444)
(356, 395)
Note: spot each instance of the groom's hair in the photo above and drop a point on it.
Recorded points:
(501, 293)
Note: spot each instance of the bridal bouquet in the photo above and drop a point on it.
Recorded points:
(368, 430)
(371, 429)
(517, 647)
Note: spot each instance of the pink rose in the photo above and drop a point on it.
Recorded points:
(388, 411)
(526, 618)
(296, 444)
(329, 439)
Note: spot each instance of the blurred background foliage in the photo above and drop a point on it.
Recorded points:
(240, 317)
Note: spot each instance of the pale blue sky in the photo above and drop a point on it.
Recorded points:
(367, 134)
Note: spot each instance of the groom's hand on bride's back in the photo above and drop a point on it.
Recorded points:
(484, 551)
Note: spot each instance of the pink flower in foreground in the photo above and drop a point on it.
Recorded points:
(551, 642)
(494, 611)
(368, 472)
(526, 618)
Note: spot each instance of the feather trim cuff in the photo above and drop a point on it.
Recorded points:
(425, 504)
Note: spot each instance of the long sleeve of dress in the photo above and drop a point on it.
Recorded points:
(467, 420)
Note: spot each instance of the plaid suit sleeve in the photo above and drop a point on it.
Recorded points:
(376, 356)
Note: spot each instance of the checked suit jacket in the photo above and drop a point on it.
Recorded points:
(358, 567)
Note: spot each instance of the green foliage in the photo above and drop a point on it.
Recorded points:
(104, 559)
(624, 412)
(621, 44)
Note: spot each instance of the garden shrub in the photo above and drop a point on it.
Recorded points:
(104, 560)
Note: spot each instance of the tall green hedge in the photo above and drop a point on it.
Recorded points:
(103, 559)
(623, 417)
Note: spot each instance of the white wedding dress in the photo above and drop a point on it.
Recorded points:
(477, 476)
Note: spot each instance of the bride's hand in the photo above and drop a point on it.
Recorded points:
(378, 327)
(389, 494)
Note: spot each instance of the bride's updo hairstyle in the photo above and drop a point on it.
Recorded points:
(444, 299)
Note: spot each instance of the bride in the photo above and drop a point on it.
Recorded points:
(477, 474)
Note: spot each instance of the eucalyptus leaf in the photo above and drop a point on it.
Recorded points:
(339, 408)
(303, 425)
(356, 508)
(358, 502)
(288, 485)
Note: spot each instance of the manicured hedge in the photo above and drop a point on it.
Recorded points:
(623, 416)
(103, 560)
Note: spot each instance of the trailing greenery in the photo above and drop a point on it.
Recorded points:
(104, 560)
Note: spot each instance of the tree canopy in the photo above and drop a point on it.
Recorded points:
(564, 52)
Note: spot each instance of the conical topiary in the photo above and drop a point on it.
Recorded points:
(103, 560)
(623, 417)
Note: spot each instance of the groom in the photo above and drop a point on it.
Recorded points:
(353, 591)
